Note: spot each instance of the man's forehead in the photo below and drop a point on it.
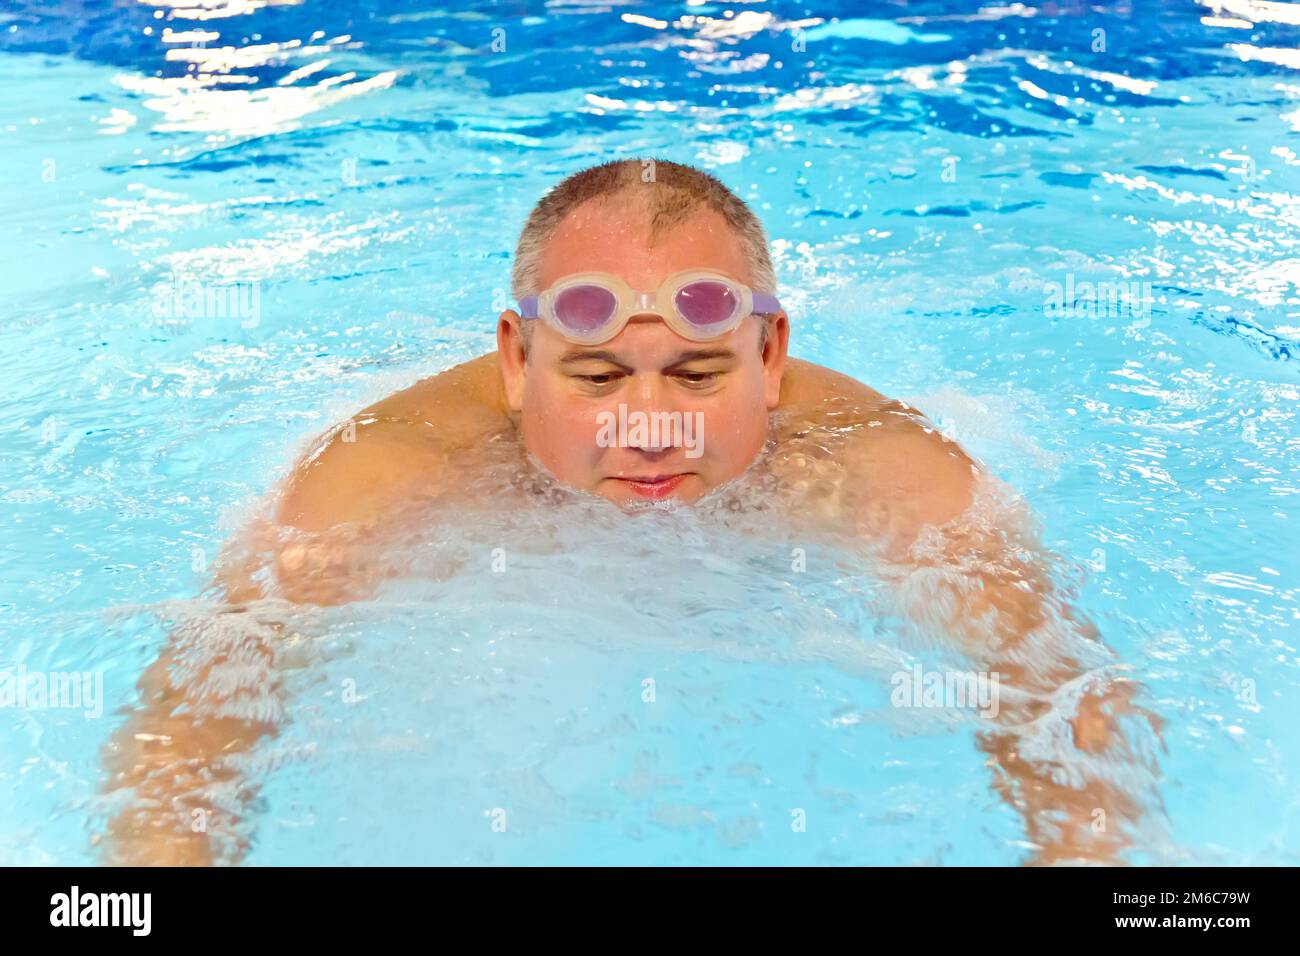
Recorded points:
(619, 238)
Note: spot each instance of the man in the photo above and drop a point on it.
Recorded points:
(646, 293)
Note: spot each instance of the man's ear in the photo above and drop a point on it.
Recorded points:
(774, 356)
(511, 356)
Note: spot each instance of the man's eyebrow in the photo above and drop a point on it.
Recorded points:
(699, 355)
(573, 356)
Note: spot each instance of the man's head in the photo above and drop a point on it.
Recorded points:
(705, 403)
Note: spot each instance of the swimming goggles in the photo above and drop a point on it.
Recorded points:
(588, 308)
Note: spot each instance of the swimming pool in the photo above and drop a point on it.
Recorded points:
(1068, 236)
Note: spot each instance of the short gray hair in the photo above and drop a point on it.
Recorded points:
(671, 192)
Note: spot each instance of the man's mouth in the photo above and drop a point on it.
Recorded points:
(654, 487)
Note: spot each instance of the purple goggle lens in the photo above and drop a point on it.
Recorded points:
(585, 308)
(706, 303)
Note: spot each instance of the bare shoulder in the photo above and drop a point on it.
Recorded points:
(806, 383)
(459, 402)
(907, 473)
(361, 479)
(395, 450)
(357, 472)
(924, 477)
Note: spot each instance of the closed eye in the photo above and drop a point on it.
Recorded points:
(698, 379)
(598, 379)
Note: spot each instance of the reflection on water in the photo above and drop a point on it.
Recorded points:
(202, 98)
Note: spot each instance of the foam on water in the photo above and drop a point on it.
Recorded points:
(663, 678)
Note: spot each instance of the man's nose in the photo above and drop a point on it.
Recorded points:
(655, 392)
(647, 391)
(650, 397)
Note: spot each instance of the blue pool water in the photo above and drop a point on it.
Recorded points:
(945, 185)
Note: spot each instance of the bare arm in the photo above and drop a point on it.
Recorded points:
(985, 580)
(175, 763)
(175, 766)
